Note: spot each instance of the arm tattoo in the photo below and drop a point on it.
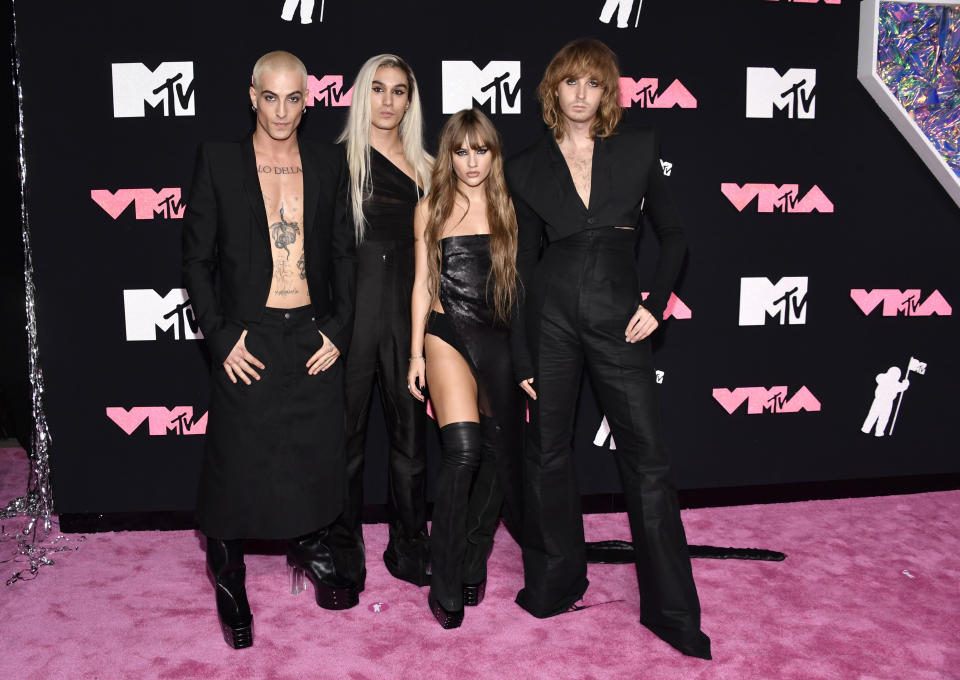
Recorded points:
(284, 233)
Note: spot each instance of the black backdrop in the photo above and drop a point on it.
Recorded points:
(891, 227)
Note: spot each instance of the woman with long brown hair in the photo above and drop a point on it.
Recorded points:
(463, 295)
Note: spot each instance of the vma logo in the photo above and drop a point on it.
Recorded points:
(170, 88)
(901, 302)
(496, 84)
(328, 91)
(146, 311)
(148, 204)
(763, 400)
(773, 198)
(792, 92)
(162, 421)
(676, 307)
(785, 301)
(646, 93)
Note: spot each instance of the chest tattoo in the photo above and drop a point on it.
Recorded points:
(284, 233)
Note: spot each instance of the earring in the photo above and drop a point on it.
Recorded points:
(304, 110)
(253, 108)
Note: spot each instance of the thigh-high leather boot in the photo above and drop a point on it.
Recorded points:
(310, 556)
(225, 562)
(460, 457)
(483, 514)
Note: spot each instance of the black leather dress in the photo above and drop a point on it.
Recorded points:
(469, 326)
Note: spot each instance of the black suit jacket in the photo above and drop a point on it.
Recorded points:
(627, 182)
(225, 236)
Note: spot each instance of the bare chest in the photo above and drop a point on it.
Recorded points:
(282, 187)
(580, 163)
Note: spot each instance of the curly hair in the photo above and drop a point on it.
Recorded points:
(583, 57)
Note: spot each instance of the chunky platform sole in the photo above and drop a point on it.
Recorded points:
(473, 593)
(446, 619)
(238, 637)
(328, 597)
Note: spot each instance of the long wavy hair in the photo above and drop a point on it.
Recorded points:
(474, 128)
(584, 57)
(356, 136)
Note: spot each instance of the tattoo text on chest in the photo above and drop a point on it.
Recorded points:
(284, 233)
(284, 277)
(279, 169)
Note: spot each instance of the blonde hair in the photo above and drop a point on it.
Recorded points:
(356, 136)
(278, 61)
(472, 126)
(584, 57)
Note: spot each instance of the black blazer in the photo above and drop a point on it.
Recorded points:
(627, 182)
(225, 235)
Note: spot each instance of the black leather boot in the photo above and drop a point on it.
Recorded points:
(310, 556)
(225, 563)
(460, 458)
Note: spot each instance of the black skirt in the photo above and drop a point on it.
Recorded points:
(273, 463)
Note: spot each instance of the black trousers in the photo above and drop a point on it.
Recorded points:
(583, 296)
(379, 353)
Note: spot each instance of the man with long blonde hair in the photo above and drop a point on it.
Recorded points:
(585, 187)
(388, 172)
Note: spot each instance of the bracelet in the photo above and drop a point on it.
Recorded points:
(418, 356)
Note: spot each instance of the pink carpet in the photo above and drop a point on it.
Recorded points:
(870, 590)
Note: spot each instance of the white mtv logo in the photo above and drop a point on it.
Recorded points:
(497, 83)
(793, 92)
(146, 311)
(786, 300)
(170, 87)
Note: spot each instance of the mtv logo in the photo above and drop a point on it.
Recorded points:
(785, 301)
(328, 91)
(145, 311)
(763, 400)
(496, 84)
(169, 87)
(901, 302)
(792, 92)
(773, 198)
(161, 421)
(646, 93)
(148, 203)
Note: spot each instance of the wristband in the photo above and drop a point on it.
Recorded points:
(417, 356)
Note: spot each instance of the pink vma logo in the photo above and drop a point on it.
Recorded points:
(645, 92)
(328, 91)
(676, 307)
(162, 421)
(900, 302)
(773, 198)
(763, 400)
(148, 203)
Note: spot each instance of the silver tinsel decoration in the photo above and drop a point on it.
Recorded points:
(35, 541)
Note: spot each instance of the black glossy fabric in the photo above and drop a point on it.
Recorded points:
(379, 354)
(485, 345)
(389, 209)
(579, 304)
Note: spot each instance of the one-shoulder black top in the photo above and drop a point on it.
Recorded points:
(389, 210)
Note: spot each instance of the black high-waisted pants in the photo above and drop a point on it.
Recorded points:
(583, 295)
(380, 352)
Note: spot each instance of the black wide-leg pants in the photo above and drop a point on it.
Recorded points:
(583, 296)
(379, 353)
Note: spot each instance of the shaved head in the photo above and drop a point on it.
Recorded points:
(276, 62)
